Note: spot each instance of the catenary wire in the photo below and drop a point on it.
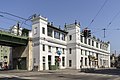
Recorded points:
(15, 20)
(13, 15)
(97, 13)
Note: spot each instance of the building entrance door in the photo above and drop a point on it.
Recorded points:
(49, 62)
(19, 63)
(57, 62)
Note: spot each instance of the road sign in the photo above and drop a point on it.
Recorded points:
(59, 52)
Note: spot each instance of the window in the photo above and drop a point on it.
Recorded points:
(100, 46)
(100, 61)
(89, 43)
(92, 43)
(70, 37)
(49, 59)
(35, 30)
(89, 52)
(81, 61)
(49, 31)
(43, 59)
(63, 61)
(56, 35)
(105, 47)
(85, 52)
(85, 40)
(97, 44)
(63, 37)
(70, 50)
(5, 62)
(49, 48)
(81, 51)
(56, 49)
(63, 51)
(43, 47)
(89, 62)
(43, 30)
(70, 63)
(5, 56)
(85, 61)
(81, 38)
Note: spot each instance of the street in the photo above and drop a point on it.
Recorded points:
(101, 74)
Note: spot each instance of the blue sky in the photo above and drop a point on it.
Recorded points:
(67, 11)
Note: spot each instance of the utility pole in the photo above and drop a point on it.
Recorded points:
(115, 53)
(104, 31)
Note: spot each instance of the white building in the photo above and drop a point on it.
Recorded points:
(76, 51)
(5, 57)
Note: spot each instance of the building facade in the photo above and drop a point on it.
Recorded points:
(5, 57)
(54, 48)
(85, 52)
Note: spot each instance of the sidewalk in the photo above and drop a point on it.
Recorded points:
(75, 72)
(59, 71)
(42, 74)
(62, 71)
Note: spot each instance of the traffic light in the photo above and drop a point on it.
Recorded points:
(85, 33)
(89, 33)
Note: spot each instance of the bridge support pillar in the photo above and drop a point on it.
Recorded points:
(22, 57)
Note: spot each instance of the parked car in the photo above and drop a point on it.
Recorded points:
(118, 65)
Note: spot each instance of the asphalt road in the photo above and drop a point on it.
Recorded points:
(104, 74)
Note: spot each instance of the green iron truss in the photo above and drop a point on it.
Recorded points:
(8, 39)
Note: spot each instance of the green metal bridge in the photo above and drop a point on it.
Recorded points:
(8, 39)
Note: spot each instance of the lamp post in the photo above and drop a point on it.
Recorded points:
(59, 59)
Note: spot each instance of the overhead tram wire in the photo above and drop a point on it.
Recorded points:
(97, 13)
(113, 19)
(106, 28)
(29, 18)
(14, 19)
(13, 15)
(9, 18)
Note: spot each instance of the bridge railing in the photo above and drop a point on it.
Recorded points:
(8, 32)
